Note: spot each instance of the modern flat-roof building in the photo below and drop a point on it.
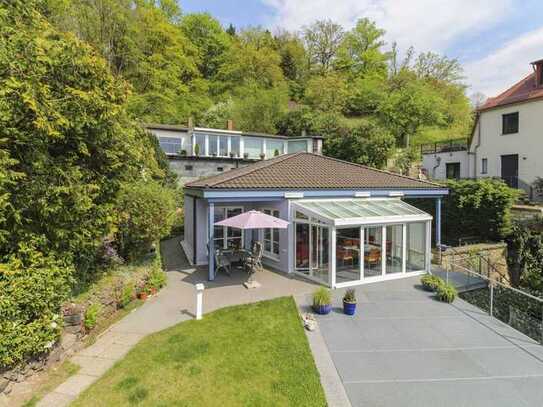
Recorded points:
(195, 152)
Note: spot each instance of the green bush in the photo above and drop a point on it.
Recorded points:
(446, 292)
(474, 208)
(147, 211)
(32, 289)
(91, 316)
(322, 296)
(126, 295)
(156, 279)
(431, 282)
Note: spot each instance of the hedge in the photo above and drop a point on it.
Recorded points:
(474, 208)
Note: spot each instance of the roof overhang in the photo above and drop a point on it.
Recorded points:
(280, 194)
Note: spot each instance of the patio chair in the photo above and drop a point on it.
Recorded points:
(221, 261)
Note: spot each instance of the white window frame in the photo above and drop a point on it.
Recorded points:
(225, 228)
(273, 233)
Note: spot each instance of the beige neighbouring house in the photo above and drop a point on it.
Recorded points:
(506, 141)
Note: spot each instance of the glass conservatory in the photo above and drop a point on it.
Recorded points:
(343, 242)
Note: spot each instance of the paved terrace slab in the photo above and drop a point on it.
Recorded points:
(404, 348)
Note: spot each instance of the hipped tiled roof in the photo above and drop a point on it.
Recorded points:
(309, 171)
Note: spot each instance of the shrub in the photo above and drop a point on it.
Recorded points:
(446, 292)
(32, 289)
(322, 296)
(350, 296)
(474, 208)
(431, 282)
(156, 279)
(126, 295)
(147, 214)
(91, 316)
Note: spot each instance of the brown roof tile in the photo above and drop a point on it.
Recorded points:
(522, 91)
(309, 171)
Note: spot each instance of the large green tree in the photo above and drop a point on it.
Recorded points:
(68, 137)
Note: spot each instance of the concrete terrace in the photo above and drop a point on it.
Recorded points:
(404, 348)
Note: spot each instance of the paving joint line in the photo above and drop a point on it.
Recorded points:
(452, 379)
(423, 349)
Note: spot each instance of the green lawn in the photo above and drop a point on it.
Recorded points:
(248, 355)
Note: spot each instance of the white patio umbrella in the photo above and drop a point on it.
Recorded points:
(253, 220)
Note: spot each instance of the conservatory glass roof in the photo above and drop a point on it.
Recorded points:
(358, 211)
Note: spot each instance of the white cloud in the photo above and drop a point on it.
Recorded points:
(425, 24)
(499, 70)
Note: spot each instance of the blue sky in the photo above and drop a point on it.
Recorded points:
(494, 39)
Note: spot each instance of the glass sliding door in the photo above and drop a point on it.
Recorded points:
(319, 253)
(312, 244)
(373, 251)
(302, 248)
(394, 249)
(347, 255)
(416, 246)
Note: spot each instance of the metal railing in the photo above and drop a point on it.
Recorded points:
(444, 146)
(518, 309)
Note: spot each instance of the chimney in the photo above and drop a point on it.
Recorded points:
(229, 125)
(538, 68)
(191, 123)
(304, 133)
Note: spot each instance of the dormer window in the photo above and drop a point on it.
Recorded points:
(510, 123)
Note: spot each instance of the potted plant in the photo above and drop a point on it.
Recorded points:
(262, 156)
(322, 301)
(232, 154)
(197, 150)
(275, 152)
(446, 293)
(246, 155)
(349, 302)
(430, 282)
(183, 153)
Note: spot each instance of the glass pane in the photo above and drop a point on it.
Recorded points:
(212, 140)
(416, 246)
(253, 147)
(200, 141)
(230, 212)
(274, 148)
(170, 145)
(373, 252)
(295, 146)
(394, 249)
(347, 255)
(276, 248)
(234, 146)
(302, 247)
(234, 242)
(267, 246)
(300, 215)
(320, 264)
(223, 146)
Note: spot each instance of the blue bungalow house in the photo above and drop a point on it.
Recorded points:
(348, 223)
